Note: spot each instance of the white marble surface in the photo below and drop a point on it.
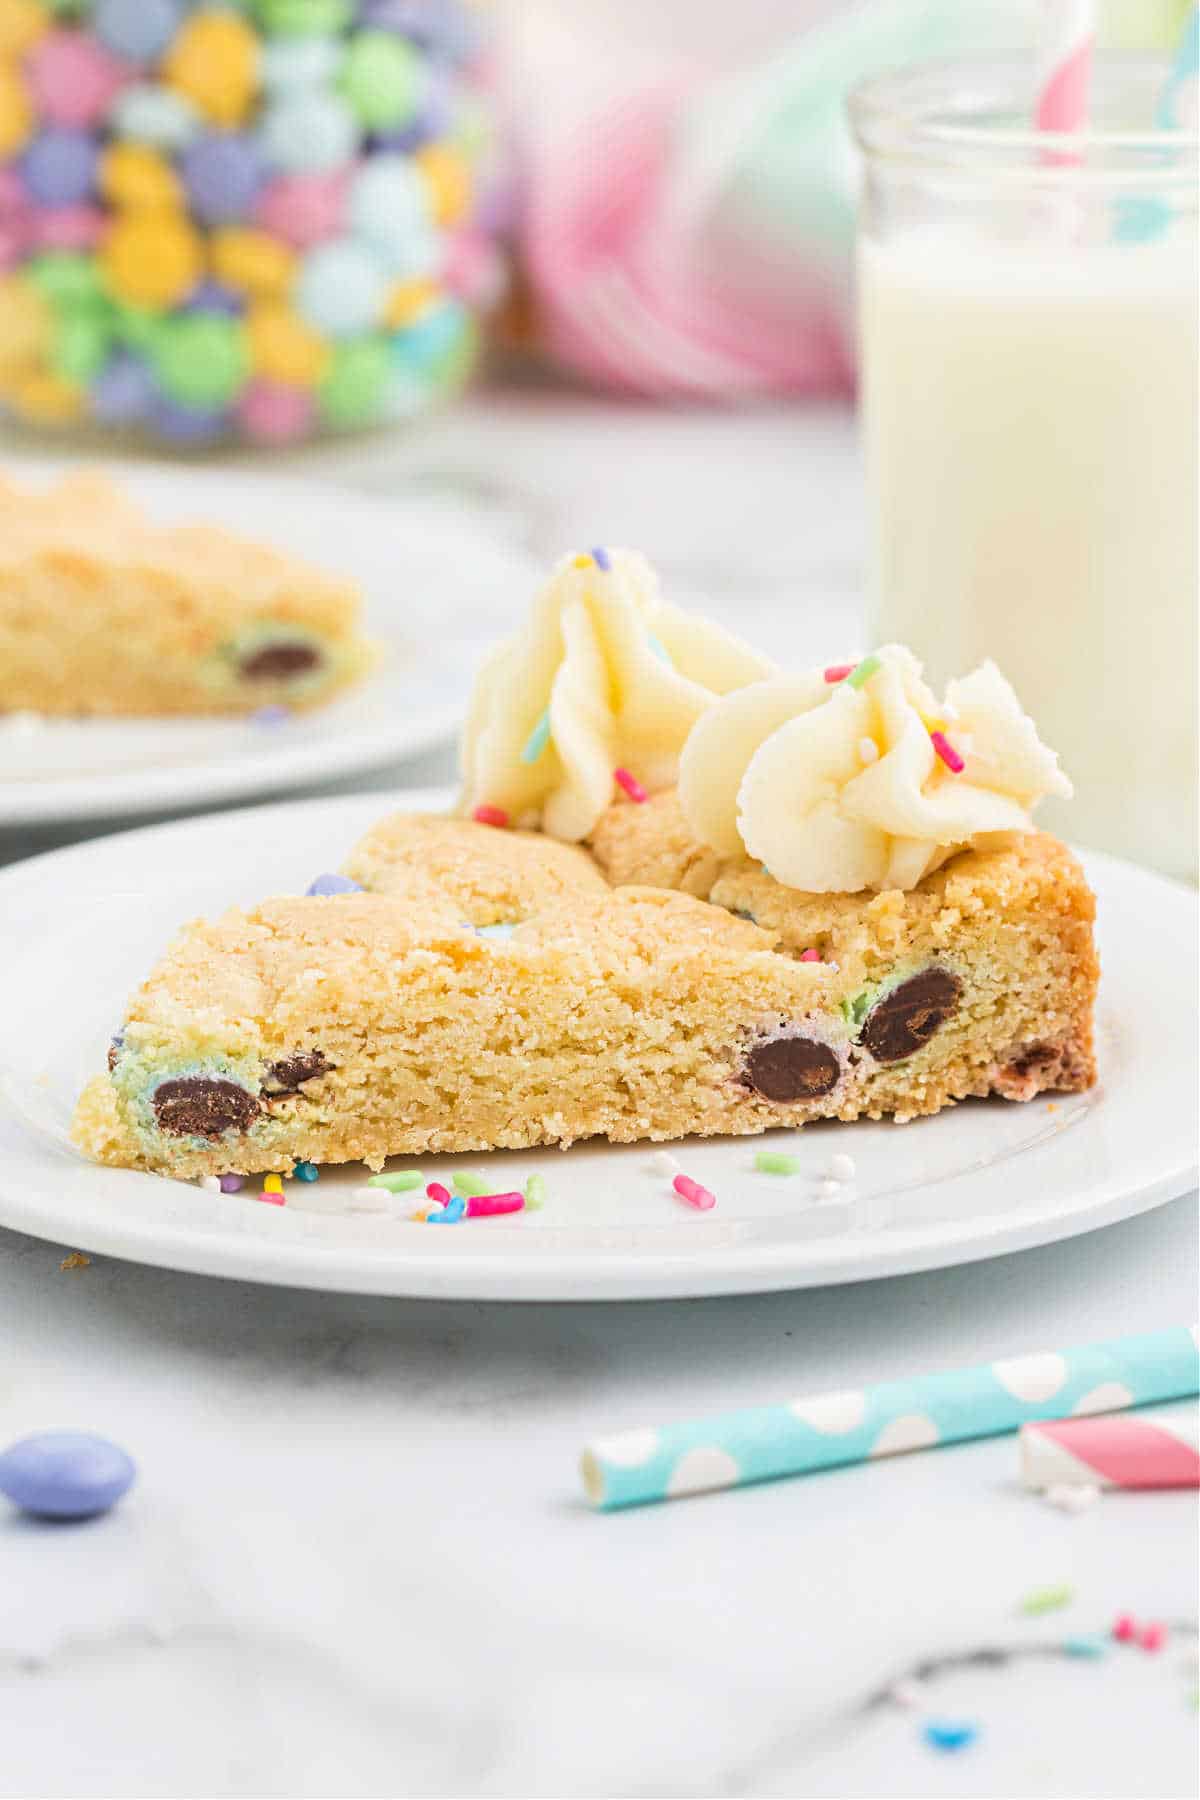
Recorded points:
(357, 1561)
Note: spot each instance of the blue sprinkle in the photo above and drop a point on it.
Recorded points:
(949, 1734)
(306, 1171)
(500, 932)
(602, 559)
(325, 885)
(539, 737)
(1085, 1646)
(660, 649)
(271, 715)
(65, 1474)
(453, 1212)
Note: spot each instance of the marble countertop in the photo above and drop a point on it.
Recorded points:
(357, 1560)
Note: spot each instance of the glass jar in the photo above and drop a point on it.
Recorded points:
(258, 221)
(1028, 336)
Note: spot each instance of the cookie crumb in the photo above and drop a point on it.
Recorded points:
(76, 1260)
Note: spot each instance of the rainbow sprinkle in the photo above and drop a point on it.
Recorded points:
(272, 1198)
(489, 1206)
(660, 649)
(630, 785)
(435, 1191)
(809, 956)
(1047, 1599)
(463, 1182)
(863, 671)
(774, 1162)
(400, 1182)
(538, 738)
(273, 1184)
(947, 752)
(451, 1213)
(535, 1193)
(602, 559)
(490, 815)
(306, 1171)
(582, 561)
(838, 672)
(693, 1193)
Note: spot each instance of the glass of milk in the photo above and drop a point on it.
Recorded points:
(1028, 323)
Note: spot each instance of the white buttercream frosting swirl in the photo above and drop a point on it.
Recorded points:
(836, 787)
(604, 675)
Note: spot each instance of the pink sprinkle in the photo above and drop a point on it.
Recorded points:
(631, 785)
(1125, 1628)
(947, 752)
(490, 815)
(272, 1199)
(810, 956)
(435, 1191)
(1153, 1637)
(838, 671)
(486, 1206)
(693, 1193)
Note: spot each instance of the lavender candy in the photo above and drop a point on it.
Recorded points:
(325, 885)
(222, 172)
(65, 1474)
(123, 392)
(59, 167)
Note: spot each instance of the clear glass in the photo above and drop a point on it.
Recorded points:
(1028, 341)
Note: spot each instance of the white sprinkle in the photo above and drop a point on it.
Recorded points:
(868, 750)
(369, 1199)
(664, 1163)
(1073, 1497)
(841, 1167)
(211, 1185)
(830, 1189)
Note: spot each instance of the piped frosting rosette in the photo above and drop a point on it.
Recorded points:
(605, 679)
(854, 778)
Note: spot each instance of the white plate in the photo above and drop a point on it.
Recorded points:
(436, 590)
(83, 925)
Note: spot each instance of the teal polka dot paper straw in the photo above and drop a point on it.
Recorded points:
(798, 1437)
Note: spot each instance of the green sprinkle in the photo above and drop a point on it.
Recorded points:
(465, 1183)
(1048, 1599)
(660, 649)
(400, 1182)
(855, 1007)
(870, 665)
(539, 737)
(1085, 1646)
(775, 1162)
(535, 1193)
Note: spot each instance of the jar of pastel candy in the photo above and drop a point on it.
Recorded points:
(259, 220)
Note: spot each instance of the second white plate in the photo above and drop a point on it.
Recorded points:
(437, 589)
(82, 927)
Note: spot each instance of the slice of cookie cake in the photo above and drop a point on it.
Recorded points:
(637, 973)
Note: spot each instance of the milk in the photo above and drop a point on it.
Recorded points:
(1030, 420)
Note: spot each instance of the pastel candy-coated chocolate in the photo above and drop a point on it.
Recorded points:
(383, 78)
(59, 166)
(137, 29)
(201, 360)
(297, 62)
(305, 18)
(67, 228)
(387, 203)
(16, 112)
(307, 132)
(123, 392)
(324, 885)
(65, 1474)
(434, 336)
(442, 26)
(303, 209)
(213, 59)
(354, 391)
(341, 289)
(212, 296)
(152, 259)
(72, 78)
(269, 412)
(154, 115)
(187, 426)
(222, 172)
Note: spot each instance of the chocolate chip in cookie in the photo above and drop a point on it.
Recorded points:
(909, 1014)
(792, 1068)
(203, 1106)
(278, 662)
(286, 1075)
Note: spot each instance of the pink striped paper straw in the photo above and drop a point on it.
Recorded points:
(1133, 1450)
(1064, 69)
